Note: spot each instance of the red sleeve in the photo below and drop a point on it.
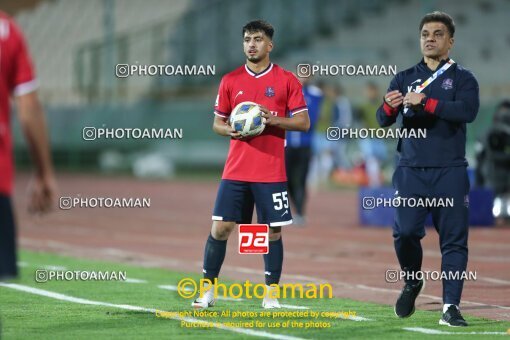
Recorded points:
(390, 111)
(23, 76)
(223, 107)
(295, 99)
(430, 106)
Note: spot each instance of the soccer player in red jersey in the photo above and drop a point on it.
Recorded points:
(254, 172)
(17, 78)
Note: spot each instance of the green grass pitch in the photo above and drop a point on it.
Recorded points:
(27, 315)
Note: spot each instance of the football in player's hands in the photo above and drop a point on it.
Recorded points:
(246, 118)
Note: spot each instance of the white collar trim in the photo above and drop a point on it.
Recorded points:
(258, 75)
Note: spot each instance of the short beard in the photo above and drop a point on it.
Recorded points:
(254, 59)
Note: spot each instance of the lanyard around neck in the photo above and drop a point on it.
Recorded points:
(433, 77)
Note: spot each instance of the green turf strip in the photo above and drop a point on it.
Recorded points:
(26, 315)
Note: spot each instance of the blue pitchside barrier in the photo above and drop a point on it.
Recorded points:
(480, 207)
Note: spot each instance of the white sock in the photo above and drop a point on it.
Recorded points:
(447, 305)
(270, 290)
(209, 294)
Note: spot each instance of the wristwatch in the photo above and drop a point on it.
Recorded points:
(423, 101)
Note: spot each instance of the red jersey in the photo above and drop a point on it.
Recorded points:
(261, 158)
(16, 78)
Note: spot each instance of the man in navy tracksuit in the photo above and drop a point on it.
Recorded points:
(435, 166)
(298, 151)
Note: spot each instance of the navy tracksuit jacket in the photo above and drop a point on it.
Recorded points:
(434, 167)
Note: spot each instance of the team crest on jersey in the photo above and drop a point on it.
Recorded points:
(269, 91)
(447, 84)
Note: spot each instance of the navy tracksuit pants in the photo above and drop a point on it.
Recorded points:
(451, 223)
(8, 266)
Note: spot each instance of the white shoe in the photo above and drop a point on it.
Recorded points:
(204, 302)
(269, 302)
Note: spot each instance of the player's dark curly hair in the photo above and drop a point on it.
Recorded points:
(259, 25)
(442, 17)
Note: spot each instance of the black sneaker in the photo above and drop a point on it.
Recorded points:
(453, 318)
(404, 307)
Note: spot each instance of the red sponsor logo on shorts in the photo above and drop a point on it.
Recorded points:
(253, 239)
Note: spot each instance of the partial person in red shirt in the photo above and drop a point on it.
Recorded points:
(254, 172)
(17, 79)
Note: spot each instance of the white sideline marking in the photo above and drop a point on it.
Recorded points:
(354, 318)
(68, 298)
(159, 262)
(174, 288)
(56, 268)
(361, 286)
(44, 266)
(293, 306)
(128, 280)
(438, 332)
(432, 297)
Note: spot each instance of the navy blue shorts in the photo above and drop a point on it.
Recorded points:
(236, 199)
(8, 267)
